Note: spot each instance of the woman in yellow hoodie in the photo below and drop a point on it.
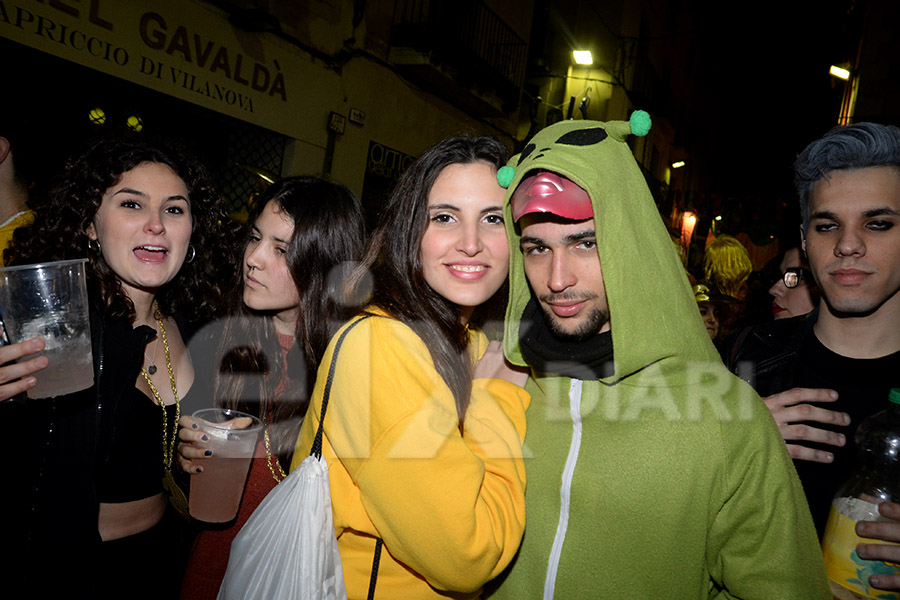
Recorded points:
(425, 420)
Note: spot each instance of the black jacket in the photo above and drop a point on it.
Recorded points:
(53, 459)
(765, 355)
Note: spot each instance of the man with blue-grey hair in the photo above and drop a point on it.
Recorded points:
(823, 373)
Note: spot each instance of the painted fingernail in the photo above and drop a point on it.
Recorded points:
(193, 426)
(207, 453)
(205, 438)
(198, 470)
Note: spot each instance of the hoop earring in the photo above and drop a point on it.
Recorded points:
(191, 254)
(93, 245)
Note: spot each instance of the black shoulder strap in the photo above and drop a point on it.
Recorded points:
(375, 561)
(317, 443)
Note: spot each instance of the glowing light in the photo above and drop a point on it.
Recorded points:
(97, 116)
(718, 217)
(678, 164)
(135, 123)
(583, 57)
(839, 72)
(688, 221)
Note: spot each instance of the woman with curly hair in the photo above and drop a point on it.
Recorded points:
(285, 304)
(99, 491)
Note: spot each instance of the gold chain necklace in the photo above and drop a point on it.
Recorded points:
(176, 496)
(270, 458)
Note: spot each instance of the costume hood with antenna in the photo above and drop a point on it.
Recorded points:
(664, 477)
(652, 310)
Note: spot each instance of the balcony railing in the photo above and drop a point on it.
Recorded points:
(467, 36)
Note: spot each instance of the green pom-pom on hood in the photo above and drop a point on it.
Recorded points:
(505, 176)
(640, 123)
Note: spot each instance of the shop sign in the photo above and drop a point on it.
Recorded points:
(386, 162)
(161, 46)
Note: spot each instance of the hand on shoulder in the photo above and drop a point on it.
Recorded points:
(792, 407)
(495, 366)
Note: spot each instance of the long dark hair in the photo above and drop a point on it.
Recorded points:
(328, 237)
(394, 260)
(61, 222)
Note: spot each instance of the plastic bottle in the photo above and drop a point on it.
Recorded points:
(876, 480)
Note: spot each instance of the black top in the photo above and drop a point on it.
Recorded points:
(134, 468)
(785, 354)
(862, 386)
(56, 456)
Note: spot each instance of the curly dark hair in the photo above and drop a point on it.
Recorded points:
(61, 222)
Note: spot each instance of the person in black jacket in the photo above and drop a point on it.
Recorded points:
(822, 373)
(91, 488)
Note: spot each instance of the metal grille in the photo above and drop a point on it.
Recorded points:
(252, 153)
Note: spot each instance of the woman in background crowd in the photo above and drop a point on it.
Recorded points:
(727, 266)
(795, 292)
(285, 305)
(713, 308)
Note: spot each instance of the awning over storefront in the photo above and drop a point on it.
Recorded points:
(184, 49)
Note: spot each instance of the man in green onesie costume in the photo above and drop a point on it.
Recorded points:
(653, 473)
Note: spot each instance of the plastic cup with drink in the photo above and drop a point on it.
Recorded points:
(49, 300)
(216, 492)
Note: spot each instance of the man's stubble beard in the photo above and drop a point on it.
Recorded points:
(589, 328)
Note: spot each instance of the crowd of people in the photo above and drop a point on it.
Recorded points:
(531, 397)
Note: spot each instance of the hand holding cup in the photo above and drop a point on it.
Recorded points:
(16, 378)
(224, 440)
(194, 447)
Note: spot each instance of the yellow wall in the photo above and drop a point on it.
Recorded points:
(155, 44)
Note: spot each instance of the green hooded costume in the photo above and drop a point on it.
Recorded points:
(668, 478)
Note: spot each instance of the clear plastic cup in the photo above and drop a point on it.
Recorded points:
(50, 300)
(216, 492)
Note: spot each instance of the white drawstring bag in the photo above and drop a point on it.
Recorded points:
(287, 549)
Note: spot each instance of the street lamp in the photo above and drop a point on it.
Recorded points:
(839, 72)
(583, 57)
(848, 100)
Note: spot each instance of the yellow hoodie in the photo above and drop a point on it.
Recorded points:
(449, 507)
